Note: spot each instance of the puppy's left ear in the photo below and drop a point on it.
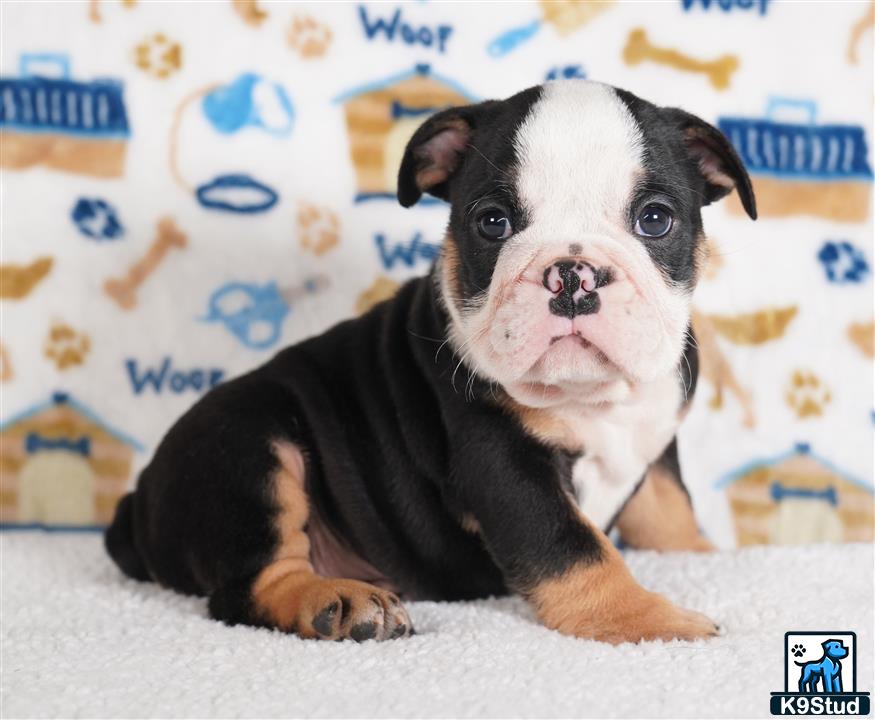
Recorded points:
(435, 152)
(718, 162)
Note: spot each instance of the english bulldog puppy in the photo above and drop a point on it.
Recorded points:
(482, 431)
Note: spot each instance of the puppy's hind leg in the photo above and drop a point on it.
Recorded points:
(288, 595)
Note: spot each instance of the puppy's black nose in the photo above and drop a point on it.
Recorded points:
(574, 284)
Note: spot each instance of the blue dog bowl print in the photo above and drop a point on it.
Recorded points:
(238, 194)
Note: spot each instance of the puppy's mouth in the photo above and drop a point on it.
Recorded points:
(575, 341)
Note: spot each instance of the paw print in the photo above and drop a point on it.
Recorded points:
(798, 650)
(65, 346)
(307, 37)
(842, 262)
(96, 219)
(159, 56)
(318, 228)
(806, 395)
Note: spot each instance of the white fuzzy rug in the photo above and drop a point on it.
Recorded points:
(78, 640)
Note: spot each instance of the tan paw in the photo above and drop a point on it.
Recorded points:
(348, 609)
(602, 601)
(650, 617)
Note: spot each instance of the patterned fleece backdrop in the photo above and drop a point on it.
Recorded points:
(187, 187)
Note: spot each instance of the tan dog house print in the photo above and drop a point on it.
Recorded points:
(381, 117)
(798, 498)
(62, 466)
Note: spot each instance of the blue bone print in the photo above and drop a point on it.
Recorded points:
(34, 443)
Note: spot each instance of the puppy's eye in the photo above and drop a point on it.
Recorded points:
(493, 224)
(653, 221)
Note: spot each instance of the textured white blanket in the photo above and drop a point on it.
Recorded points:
(78, 640)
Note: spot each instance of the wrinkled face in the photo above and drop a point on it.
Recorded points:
(574, 235)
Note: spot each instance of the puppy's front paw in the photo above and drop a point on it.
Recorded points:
(647, 616)
(604, 602)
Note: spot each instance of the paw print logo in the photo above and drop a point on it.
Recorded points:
(159, 56)
(843, 263)
(318, 228)
(96, 219)
(65, 346)
(806, 395)
(798, 650)
(308, 37)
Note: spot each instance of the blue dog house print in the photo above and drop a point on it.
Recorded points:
(798, 497)
(802, 168)
(64, 124)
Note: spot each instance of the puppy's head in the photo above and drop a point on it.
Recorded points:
(575, 234)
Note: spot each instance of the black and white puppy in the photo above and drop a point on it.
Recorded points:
(483, 430)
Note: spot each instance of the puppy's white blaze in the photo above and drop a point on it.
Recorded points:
(580, 152)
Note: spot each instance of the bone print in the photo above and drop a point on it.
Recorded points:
(124, 290)
(639, 48)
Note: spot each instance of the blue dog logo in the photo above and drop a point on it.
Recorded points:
(820, 675)
(827, 670)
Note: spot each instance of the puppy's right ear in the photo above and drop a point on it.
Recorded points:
(434, 153)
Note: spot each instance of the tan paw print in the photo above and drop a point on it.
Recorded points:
(65, 346)
(159, 56)
(308, 37)
(318, 228)
(806, 395)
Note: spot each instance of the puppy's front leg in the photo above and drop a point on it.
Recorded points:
(659, 516)
(569, 571)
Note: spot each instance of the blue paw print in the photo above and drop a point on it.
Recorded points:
(96, 219)
(842, 262)
(565, 72)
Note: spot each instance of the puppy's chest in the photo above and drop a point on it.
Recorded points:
(619, 443)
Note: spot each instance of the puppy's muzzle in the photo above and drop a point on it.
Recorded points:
(574, 285)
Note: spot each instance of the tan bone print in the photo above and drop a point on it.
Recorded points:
(639, 48)
(124, 290)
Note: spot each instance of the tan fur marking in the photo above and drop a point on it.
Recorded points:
(544, 425)
(659, 517)
(602, 601)
(289, 595)
(294, 506)
(450, 268)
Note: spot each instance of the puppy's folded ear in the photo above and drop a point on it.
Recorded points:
(718, 162)
(435, 152)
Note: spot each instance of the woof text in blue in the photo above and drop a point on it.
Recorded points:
(408, 33)
(166, 376)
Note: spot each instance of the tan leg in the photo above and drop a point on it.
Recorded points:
(602, 601)
(289, 595)
(659, 516)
